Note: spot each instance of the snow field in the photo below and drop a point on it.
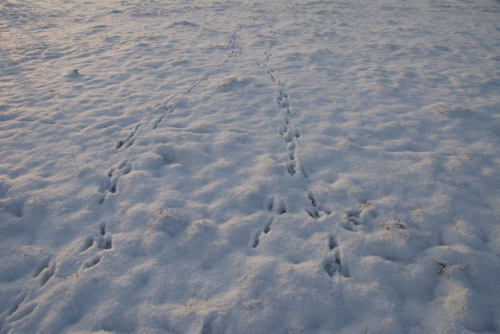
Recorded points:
(249, 167)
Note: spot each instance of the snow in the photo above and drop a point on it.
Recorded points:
(284, 166)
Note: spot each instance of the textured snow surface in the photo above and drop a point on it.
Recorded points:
(277, 166)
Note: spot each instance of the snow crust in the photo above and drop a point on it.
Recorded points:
(285, 166)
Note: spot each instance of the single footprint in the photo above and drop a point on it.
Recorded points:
(315, 209)
(207, 328)
(44, 264)
(89, 242)
(114, 175)
(44, 271)
(19, 300)
(23, 312)
(104, 241)
(333, 265)
(47, 274)
(255, 238)
(89, 264)
(291, 168)
(269, 204)
(267, 228)
(352, 220)
(281, 209)
(332, 242)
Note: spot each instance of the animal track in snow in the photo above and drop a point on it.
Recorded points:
(280, 208)
(291, 151)
(315, 209)
(290, 135)
(256, 239)
(285, 127)
(43, 265)
(46, 274)
(287, 131)
(103, 241)
(269, 55)
(269, 203)
(333, 263)
(18, 311)
(234, 45)
(267, 228)
(129, 141)
(276, 208)
(332, 242)
(354, 218)
(258, 233)
(17, 303)
(92, 262)
(168, 110)
(291, 168)
(197, 83)
(351, 220)
(284, 101)
(12, 206)
(207, 328)
(235, 48)
(89, 242)
(114, 176)
(271, 75)
(45, 271)
(22, 312)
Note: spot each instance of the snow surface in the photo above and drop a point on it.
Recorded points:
(285, 166)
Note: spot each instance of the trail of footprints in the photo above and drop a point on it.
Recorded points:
(123, 168)
(289, 133)
(46, 270)
(234, 46)
(333, 264)
(290, 136)
(168, 110)
(197, 83)
(283, 101)
(235, 49)
(271, 206)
